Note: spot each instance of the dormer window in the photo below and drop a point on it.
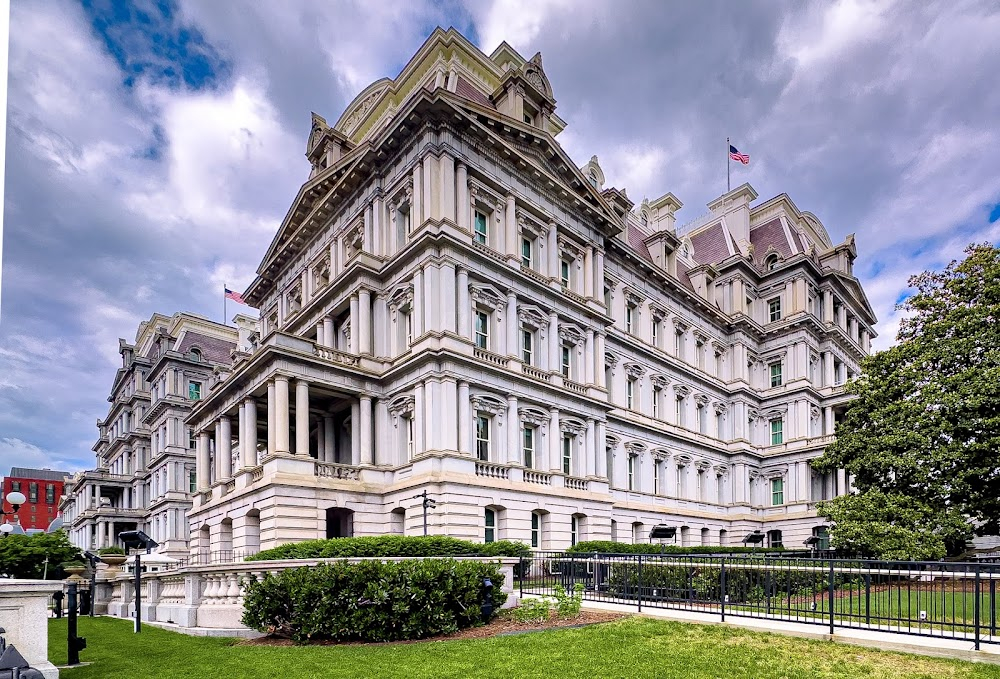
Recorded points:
(592, 178)
(196, 355)
(771, 263)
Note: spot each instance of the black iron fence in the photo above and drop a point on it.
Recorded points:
(940, 599)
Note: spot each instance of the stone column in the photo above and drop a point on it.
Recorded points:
(462, 195)
(417, 313)
(329, 446)
(417, 207)
(382, 450)
(589, 359)
(355, 433)
(598, 359)
(601, 450)
(432, 298)
(203, 474)
(281, 414)
(301, 417)
(449, 412)
(367, 446)
(419, 415)
(589, 466)
(555, 436)
(250, 450)
(553, 247)
(271, 417)
(513, 429)
(329, 337)
(512, 345)
(224, 447)
(446, 296)
(320, 440)
(599, 276)
(588, 273)
(464, 419)
(555, 361)
(464, 308)
(510, 235)
(364, 328)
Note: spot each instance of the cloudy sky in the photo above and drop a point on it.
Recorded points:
(153, 147)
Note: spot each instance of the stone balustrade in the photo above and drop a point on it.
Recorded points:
(493, 471)
(210, 597)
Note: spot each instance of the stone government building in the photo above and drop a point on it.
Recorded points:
(452, 305)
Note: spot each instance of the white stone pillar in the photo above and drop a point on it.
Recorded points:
(203, 474)
(555, 436)
(432, 299)
(513, 427)
(355, 433)
(601, 449)
(271, 417)
(464, 308)
(224, 447)
(417, 314)
(250, 451)
(382, 449)
(512, 345)
(419, 416)
(301, 417)
(589, 359)
(510, 232)
(828, 421)
(598, 359)
(448, 413)
(367, 452)
(464, 419)
(417, 207)
(590, 450)
(552, 244)
(555, 361)
(446, 297)
(588, 273)
(599, 276)
(446, 174)
(462, 196)
(365, 318)
(281, 414)
(329, 445)
(329, 337)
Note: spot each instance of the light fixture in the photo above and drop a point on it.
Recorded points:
(6, 529)
(15, 499)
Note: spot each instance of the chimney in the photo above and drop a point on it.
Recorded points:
(735, 208)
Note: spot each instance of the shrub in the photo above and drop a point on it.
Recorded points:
(104, 551)
(532, 610)
(390, 545)
(371, 600)
(568, 605)
(608, 547)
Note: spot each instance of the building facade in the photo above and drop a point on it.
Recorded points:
(42, 489)
(145, 457)
(451, 305)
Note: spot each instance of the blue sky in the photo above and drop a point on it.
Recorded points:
(154, 146)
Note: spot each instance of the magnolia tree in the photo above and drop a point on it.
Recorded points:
(922, 437)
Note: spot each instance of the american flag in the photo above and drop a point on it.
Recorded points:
(737, 156)
(235, 296)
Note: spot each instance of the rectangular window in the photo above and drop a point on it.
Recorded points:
(774, 539)
(536, 529)
(564, 272)
(774, 309)
(526, 252)
(527, 119)
(657, 395)
(32, 493)
(777, 492)
(479, 234)
(565, 362)
(629, 314)
(679, 410)
(194, 391)
(15, 486)
(408, 327)
(527, 346)
(574, 528)
(607, 297)
(777, 435)
(630, 393)
(50, 493)
(409, 438)
(192, 482)
(657, 468)
(678, 343)
(491, 526)
(483, 438)
(702, 419)
(567, 454)
(631, 472)
(191, 441)
(482, 330)
(775, 369)
(655, 332)
(528, 446)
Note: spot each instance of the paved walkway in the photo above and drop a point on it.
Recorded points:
(889, 641)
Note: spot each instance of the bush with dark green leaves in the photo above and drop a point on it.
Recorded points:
(105, 551)
(25, 556)
(608, 547)
(391, 545)
(371, 600)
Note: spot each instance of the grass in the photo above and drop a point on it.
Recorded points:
(635, 647)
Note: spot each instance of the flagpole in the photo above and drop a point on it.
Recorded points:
(729, 160)
(224, 314)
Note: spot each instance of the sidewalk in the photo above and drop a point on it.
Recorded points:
(907, 643)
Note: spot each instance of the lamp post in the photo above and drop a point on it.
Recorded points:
(15, 499)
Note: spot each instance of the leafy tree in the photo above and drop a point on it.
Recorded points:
(922, 436)
(23, 556)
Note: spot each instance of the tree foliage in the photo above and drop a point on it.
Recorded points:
(922, 435)
(23, 556)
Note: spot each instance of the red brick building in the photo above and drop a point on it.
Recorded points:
(42, 489)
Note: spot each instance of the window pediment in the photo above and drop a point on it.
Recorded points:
(635, 447)
(532, 317)
(634, 370)
(573, 427)
(488, 296)
(533, 416)
(489, 404)
(571, 334)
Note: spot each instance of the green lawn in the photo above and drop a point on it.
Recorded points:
(635, 647)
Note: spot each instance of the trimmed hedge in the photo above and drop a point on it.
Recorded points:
(390, 545)
(609, 547)
(371, 600)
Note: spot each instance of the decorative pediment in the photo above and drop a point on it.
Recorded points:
(657, 312)
(403, 194)
(635, 448)
(529, 225)
(610, 359)
(488, 296)
(776, 412)
(659, 380)
(571, 334)
(683, 460)
(633, 298)
(721, 470)
(536, 77)
(480, 195)
(401, 405)
(573, 427)
(569, 247)
(533, 416)
(701, 399)
(489, 404)
(719, 348)
(703, 465)
(634, 370)
(700, 337)
(720, 408)
(682, 390)
(753, 414)
(775, 472)
(532, 317)
(401, 297)
(660, 454)
(611, 441)
(681, 325)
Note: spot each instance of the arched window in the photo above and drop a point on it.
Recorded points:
(771, 263)
(196, 355)
(592, 177)
(397, 521)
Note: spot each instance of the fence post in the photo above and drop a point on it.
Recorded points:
(868, 597)
(975, 612)
(831, 596)
(993, 603)
(639, 578)
(520, 574)
(722, 590)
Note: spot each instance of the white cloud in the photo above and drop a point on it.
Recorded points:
(17, 453)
